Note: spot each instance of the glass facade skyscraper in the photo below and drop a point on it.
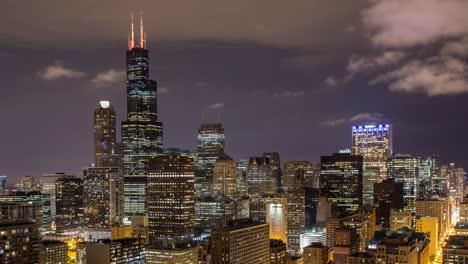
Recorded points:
(210, 148)
(374, 143)
(142, 133)
(405, 168)
(341, 182)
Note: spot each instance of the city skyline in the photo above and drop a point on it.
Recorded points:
(259, 74)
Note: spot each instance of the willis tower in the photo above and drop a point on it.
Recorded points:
(142, 134)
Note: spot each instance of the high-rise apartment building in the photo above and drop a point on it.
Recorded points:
(171, 198)
(107, 152)
(374, 143)
(103, 197)
(241, 241)
(142, 133)
(405, 168)
(210, 147)
(341, 182)
(224, 177)
(69, 203)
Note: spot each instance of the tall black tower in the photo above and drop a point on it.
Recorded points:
(142, 134)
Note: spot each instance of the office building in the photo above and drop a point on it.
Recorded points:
(463, 210)
(171, 198)
(361, 258)
(53, 252)
(427, 172)
(69, 204)
(176, 254)
(455, 250)
(261, 178)
(241, 241)
(241, 176)
(387, 196)
(315, 253)
(127, 250)
(27, 184)
(438, 208)
(3, 186)
(276, 218)
(224, 177)
(45, 219)
(278, 252)
(298, 175)
(210, 141)
(456, 184)
(341, 182)
(400, 219)
(275, 162)
(19, 230)
(214, 212)
(370, 176)
(48, 187)
(107, 152)
(429, 226)
(142, 133)
(258, 205)
(374, 143)
(103, 197)
(405, 168)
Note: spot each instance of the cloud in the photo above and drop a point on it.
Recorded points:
(330, 81)
(58, 71)
(366, 117)
(109, 77)
(455, 48)
(434, 76)
(333, 123)
(289, 93)
(357, 117)
(359, 64)
(217, 105)
(404, 23)
(163, 90)
(301, 23)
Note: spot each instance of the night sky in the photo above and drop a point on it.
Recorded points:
(285, 76)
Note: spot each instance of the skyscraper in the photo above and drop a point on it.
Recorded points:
(260, 176)
(142, 133)
(103, 197)
(106, 150)
(171, 198)
(210, 142)
(48, 187)
(3, 179)
(374, 143)
(341, 182)
(405, 168)
(224, 177)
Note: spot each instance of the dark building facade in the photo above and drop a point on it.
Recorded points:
(341, 182)
(69, 203)
(142, 133)
(387, 196)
